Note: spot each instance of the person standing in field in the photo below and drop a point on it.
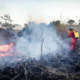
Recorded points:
(74, 35)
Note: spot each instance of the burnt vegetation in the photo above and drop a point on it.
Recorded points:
(61, 67)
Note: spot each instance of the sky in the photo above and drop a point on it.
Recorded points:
(23, 11)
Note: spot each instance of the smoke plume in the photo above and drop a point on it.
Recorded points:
(36, 40)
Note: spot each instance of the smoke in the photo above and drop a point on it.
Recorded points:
(36, 35)
(37, 38)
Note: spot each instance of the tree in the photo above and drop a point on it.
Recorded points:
(71, 21)
(25, 25)
(79, 22)
(57, 23)
(6, 17)
(51, 23)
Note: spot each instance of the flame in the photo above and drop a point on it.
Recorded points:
(5, 50)
(6, 54)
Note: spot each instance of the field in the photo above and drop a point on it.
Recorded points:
(63, 66)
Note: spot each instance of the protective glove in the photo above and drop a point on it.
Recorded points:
(65, 37)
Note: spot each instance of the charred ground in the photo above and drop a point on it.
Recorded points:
(61, 67)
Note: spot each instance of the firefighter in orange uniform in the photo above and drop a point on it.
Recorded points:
(74, 39)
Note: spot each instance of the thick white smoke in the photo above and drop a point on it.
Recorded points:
(36, 35)
(30, 44)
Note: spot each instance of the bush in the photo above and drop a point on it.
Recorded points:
(71, 22)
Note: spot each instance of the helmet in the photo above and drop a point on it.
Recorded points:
(70, 27)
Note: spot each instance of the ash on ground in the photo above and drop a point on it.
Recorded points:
(56, 68)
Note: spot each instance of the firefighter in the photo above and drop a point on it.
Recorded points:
(74, 36)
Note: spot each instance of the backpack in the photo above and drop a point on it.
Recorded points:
(76, 34)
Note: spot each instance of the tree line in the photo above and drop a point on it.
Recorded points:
(58, 22)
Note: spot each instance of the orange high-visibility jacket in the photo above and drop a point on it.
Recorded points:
(71, 34)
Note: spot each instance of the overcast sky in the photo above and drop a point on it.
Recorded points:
(22, 11)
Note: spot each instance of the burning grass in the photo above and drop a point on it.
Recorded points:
(5, 50)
